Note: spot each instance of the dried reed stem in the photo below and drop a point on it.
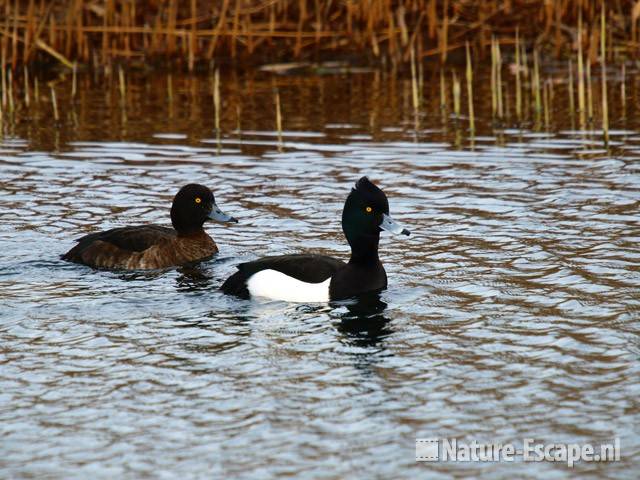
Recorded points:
(518, 82)
(589, 94)
(216, 99)
(278, 118)
(10, 92)
(414, 82)
(472, 123)
(545, 95)
(443, 91)
(74, 80)
(121, 83)
(581, 90)
(499, 81)
(536, 82)
(27, 100)
(170, 94)
(623, 89)
(456, 95)
(54, 103)
(603, 68)
(216, 106)
(494, 95)
(3, 72)
(572, 106)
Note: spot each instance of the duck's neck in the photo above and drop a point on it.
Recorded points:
(364, 249)
(191, 232)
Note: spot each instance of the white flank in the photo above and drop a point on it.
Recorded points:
(278, 286)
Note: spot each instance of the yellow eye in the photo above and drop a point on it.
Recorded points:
(198, 200)
(369, 209)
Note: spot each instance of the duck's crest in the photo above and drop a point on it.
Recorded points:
(365, 185)
(369, 192)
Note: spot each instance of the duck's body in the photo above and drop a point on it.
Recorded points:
(320, 278)
(305, 278)
(141, 247)
(152, 246)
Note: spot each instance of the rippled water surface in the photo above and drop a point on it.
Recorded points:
(513, 310)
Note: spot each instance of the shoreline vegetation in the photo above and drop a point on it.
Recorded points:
(193, 33)
(536, 49)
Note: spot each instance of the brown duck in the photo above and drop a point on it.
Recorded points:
(152, 246)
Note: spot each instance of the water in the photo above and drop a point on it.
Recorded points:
(512, 311)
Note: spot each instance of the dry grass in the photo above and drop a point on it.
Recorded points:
(194, 31)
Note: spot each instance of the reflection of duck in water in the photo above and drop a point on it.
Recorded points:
(319, 278)
(193, 278)
(365, 322)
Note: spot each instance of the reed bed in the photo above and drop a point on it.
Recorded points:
(192, 33)
(460, 96)
(522, 89)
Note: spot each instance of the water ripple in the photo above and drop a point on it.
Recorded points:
(511, 312)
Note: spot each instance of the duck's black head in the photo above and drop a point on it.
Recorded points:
(365, 214)
(192, 206)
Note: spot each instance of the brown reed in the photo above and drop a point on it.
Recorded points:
(589, 94)
(581, 90)
(215, 87)
(25, 77)
(472, 121)
(546, 88)
(603, 69)
(414, 83)
(518, 83)
(443, 91)
(278, 119)
(494, 79)
(456, 94)
(216, 99)
(74, 80)
(623, 89)
(572, 106)
(10, 90)
(54, 103)
(3, 80)
(536, 83)
(189, 32)
(122, 84)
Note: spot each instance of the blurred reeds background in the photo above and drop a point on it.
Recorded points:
(195, 32)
